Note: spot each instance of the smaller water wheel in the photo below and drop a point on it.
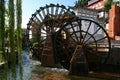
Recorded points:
(82, 38)
(44, 24)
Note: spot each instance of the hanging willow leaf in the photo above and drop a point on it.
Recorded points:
(19, 34)
(2, 24)
(2, 41)
(11, 39)
(19, 21)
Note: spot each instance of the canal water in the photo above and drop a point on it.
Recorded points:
(27, 66)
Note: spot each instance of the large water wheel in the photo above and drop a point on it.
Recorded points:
(62, 37)
(82, 41)
(43, 24)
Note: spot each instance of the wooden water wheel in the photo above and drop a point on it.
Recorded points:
(43, 25)
(82, 40)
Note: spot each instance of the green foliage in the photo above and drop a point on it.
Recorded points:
(19, 30)
(81, 3)
(116, 2)
(19, 33)
(11, 26)
(7, 31)
(2, 24)
(107, 5)
(2, 38)
(12, 39)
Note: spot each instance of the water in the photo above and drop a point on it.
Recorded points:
(27, 66)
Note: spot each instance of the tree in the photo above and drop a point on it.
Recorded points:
(7, 30)
(2, 24)
(11, 27)
(19, 33)
(81, 3)
(2, 37)
(116, 2)
(107, 5)
(12, 59)
(19, 21)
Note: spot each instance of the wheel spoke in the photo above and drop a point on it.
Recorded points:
(98, 40)
(47, 9)
(38, 19)
(80, 29)
(74, 32)
(92, 35)
(71, 38)
(35, 23)
(43, 12)
(87, 31)
(62, 10)
(52, 10)
(40, 16)
(56, 11)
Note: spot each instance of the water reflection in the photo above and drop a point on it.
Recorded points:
(25, 74)
(26, 66)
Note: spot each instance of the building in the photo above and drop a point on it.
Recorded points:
(96, 4)
(113, 25)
